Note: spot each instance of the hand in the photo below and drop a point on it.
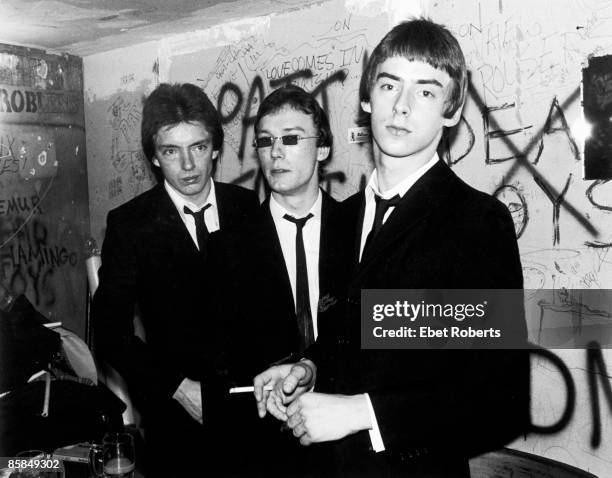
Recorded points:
(189, 395)
(319, 417)
(289, 381)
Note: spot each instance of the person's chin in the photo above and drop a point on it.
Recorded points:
(280, 188)
(278, 182)
(397, 149)
(192, 189)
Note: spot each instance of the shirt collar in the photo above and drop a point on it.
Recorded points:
(403, 186)
(279, 211)
(180, 202)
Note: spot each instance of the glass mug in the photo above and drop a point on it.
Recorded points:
(115, 458)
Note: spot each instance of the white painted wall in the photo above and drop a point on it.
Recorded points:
(526, 54)
(115, 83)
(329, 38)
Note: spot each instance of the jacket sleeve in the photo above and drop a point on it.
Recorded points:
(479, 399)
(113, 309)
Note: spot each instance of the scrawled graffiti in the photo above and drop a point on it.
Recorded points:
(29, 262)
(133, 174)
(599, 389)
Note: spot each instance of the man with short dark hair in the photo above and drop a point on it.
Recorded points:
(288, 266)
(293, 141)
(412, 412)
(154, 261)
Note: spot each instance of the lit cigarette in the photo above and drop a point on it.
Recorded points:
(52, 325)
(248, 389)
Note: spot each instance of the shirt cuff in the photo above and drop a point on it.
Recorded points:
(375, 436)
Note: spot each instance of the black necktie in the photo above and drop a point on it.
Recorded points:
(302, 297)
(201, 230)
(382, 206)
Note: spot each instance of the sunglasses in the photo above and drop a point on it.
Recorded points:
(287, 140)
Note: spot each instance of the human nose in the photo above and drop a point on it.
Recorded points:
(277, 147)
(187, 162)
(402, 102)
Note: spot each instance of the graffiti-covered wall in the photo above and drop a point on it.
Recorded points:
(44, 217)
(115, 84)
(521, 139)
(322, 48)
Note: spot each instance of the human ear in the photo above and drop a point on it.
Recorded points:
(322, 153)
(454, 119)
(215, 154)
(156, 162)
(365, 106)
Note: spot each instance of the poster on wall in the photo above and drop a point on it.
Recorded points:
(43, 182)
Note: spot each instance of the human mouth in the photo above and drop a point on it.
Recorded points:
(191, 179)
(276, 171)
(398, 130)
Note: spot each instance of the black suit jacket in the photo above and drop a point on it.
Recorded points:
(258, 304)
(435, 409)
(150, 263)
(258, 313)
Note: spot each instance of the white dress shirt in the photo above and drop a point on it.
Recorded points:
(371, 191)
(311, 233)
(211, 215)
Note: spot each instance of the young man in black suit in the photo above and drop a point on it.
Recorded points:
(412, 412)
(296, 237)
(154, 260)
(285, 267)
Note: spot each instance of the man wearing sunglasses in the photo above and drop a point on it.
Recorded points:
(287, 265)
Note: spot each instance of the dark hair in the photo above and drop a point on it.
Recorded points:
(294, 97)
(169, 105)
(421, 39)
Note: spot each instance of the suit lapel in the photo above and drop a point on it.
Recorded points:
(170, 227)
(428, 194)
(272, 255)
(225, 207)
(330, 244)
(359, 228)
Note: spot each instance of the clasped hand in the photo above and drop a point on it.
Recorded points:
(318, 417)
(312, 417)
(288, 382)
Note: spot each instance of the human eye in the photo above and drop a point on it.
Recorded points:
(387, 86)
(291, 139)
(168, 152)
(427, 93)
(200, 148)
(262, 142)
